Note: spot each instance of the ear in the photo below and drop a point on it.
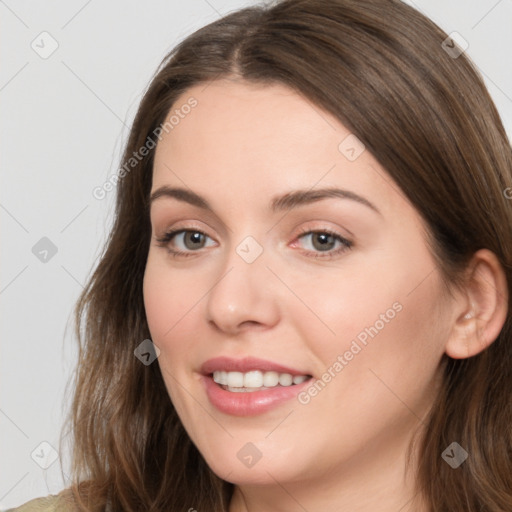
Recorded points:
(481, 308)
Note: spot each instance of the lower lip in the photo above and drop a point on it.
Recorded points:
(249, 403)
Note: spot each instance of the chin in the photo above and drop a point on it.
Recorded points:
(238, 468)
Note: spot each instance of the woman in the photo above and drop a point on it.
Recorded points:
(304, 300)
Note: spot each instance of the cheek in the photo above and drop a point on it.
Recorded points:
(166, 299)
(381, 318)
(339, 305)
(167, 303)
(389, 359)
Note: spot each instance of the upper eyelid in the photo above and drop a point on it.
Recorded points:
(224, 228)
(301, 231)
(188, 227)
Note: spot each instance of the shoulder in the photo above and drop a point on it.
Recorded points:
(53, 503)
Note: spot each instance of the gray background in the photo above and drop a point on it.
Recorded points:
(64, 120)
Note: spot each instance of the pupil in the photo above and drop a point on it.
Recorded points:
(324, 239)
(195, 237)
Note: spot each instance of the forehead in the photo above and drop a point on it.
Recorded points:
(250, 117)
(245, 140)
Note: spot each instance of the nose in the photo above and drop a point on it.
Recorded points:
(244, 296)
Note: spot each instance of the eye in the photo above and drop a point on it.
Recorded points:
(191, 240)
(323, 243)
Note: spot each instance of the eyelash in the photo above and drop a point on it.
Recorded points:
(168, 236)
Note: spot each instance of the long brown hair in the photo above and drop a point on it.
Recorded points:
(382, 69)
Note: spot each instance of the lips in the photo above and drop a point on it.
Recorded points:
(246, 365)
(254, 402)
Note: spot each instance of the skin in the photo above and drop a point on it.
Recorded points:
(345, 449)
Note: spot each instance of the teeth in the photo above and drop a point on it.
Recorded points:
(285, 379)
(270, 379)
(253, 379)
(256, 379)
(235, 380)
(298, 379)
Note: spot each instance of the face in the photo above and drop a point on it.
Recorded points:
(336, 287)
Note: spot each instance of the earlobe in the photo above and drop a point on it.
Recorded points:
(482, 309)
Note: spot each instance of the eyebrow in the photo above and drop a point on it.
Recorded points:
(284, 202)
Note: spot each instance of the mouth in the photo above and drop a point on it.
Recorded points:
(255, 380)
(250, 386)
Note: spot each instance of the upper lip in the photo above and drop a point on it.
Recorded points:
(245, 365)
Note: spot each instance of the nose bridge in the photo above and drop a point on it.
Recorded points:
(242, 292)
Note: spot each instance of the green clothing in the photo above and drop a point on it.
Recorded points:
(52, 503)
